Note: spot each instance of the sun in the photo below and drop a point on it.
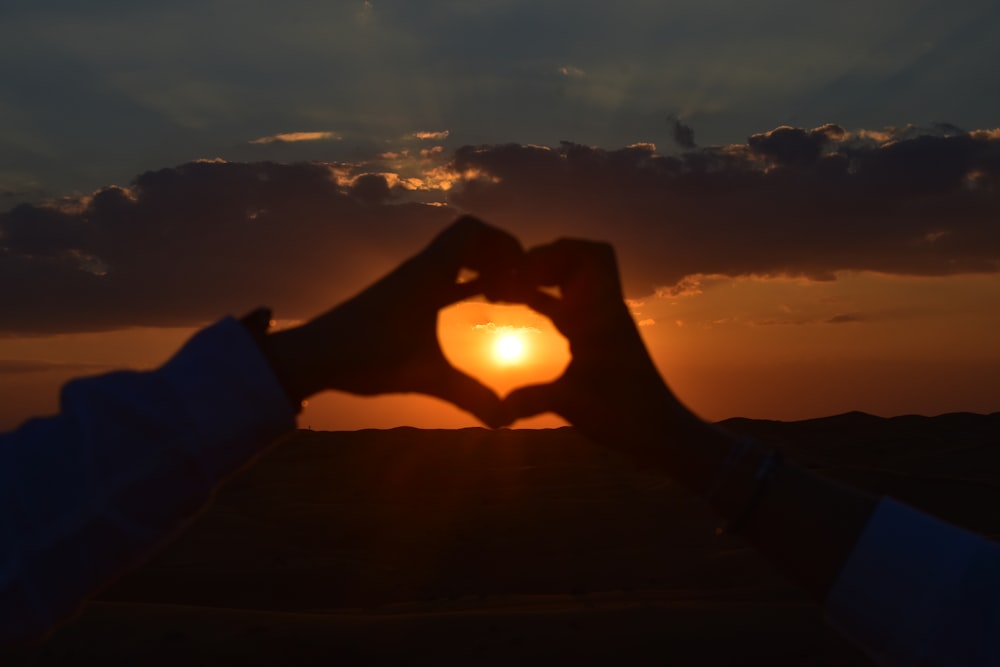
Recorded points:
(509, 348)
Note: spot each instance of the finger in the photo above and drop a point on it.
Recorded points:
(552, 264)
(573, 265)
(482, 247)
(532, 400)
(471, 243)
(546, 304)
(470, 395)
(586, 274)
(461, 291)
(487, 287)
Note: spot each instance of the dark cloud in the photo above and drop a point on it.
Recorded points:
(181, 246)
(794, 146)
(682, 134)
(185, 245)
(790, 201)
(371, 189)
(38, 231)
(845, 318)
(840, 318)
(928, 164)
(18, 193)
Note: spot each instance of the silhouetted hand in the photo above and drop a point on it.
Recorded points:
(384, 340)
(611, 390)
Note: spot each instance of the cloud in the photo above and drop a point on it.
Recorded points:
(845, 318)
(371, 189)
(296, 137)
(986, 135)
(793, 146)
(365, 13)
(426, 136)
(682, 134)
(805, 203)
(841, 318)
(572, 72)
(181, 246)
(492, 328)
(772, 322)
(18, 186)
(686, 286)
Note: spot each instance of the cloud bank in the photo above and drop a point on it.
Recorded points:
(790, 202)
(185, 245)
(181, 246)
(295, 137)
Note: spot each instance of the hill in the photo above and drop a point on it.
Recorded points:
(494, 547)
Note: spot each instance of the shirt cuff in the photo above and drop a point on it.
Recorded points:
(918, 590)
(231, 396)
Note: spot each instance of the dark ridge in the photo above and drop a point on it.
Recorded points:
(460, 525)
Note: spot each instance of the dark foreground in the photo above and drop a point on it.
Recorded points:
(513, 547)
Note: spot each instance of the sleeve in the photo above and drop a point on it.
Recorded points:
(89, 492)
(919, 591)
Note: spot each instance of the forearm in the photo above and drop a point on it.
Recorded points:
(919, 591)
(89, 492)
(805, 524)
(907, 588)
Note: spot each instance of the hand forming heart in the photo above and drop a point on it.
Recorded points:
(385, 340)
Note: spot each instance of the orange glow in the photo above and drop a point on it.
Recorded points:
(423, 136)
(294, 137)
(777, 348)
(509, 349)
(503, 346)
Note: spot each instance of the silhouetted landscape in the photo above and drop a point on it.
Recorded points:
(471, 546)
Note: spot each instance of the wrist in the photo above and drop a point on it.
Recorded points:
(295, 362)
(741, 483)
(701, 450)
(286, 354)
(681, 444)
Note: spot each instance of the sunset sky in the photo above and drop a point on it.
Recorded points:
(804, 199)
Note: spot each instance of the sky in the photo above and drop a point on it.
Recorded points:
(803, 198)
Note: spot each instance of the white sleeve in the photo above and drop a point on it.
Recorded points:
(89, 492)
(919, 591)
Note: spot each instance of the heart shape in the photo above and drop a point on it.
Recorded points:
(473, 335)
(385, 339)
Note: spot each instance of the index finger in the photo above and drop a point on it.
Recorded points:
(576, 266)
(471, 243)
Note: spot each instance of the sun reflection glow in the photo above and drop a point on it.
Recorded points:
(509, 348)
(503, 346)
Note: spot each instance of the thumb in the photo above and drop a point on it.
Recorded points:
(532, 400)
